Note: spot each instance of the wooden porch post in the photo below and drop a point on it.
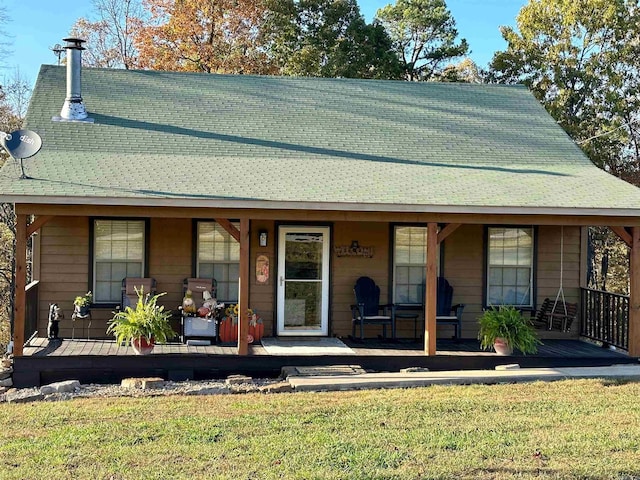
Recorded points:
(19, 307)
(634, 294)
(430, 290)
(243, 297)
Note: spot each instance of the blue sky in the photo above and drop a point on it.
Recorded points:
(37, 25)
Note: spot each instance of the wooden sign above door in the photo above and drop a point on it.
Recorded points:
(353, 250)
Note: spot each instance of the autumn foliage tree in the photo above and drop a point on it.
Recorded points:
(213, 36)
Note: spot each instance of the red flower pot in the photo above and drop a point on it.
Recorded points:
(142, 346)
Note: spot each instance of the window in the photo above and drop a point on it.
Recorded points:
(218, 256)
(119, 252)
(409, 264)
(510, 266)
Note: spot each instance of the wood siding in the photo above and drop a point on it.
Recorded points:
(463, 268)
(64, 269)
(262, 297)
(346, 270)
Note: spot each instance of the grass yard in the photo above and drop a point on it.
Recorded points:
(570, 429)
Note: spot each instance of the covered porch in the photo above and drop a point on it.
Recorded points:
(454, 245)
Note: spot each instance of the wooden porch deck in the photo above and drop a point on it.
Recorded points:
(102, 361)
(39, 347)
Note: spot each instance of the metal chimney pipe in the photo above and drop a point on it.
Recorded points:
(73, 108)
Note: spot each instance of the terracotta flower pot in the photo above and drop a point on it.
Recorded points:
(502, 347)
(142, 346)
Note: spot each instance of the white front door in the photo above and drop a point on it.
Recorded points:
(303, 280)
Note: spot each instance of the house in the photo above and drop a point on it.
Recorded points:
(286, 190)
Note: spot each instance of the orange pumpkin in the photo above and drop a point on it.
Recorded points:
(228, 330)
(256, 331)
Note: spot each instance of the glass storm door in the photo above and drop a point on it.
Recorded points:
(303, 281)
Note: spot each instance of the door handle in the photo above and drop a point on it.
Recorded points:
(281, 280)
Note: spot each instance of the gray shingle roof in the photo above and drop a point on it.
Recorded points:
(213, 140)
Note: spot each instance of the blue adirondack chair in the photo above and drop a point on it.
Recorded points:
(447, 314)
(368, 311)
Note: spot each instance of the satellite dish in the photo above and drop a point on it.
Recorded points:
(22, 143)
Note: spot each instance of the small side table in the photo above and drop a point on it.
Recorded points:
(77, 316)
(410, 315)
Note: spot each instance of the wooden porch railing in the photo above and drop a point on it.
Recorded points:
(31, 312)
(605, 317)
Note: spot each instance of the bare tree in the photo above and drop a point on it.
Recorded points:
(4, 38)
(17, 91)
(110, 36)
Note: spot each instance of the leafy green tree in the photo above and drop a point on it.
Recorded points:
(327, 38)
(424, 36)
(580, 60)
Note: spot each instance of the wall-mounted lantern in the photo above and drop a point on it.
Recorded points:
(263, 237)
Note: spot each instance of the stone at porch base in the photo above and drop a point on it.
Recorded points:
(142, 383)
(509, 366)
(238, 379)
(280, 387)
(23, 395)
(60, 387)
(320, 370)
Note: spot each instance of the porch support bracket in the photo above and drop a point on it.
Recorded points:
(229, 227)
(623, 233)
(431, 290)
(38, 223)
(634, 294)
(446, 231)
(243, 297)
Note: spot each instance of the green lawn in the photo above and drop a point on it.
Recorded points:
(569, 429)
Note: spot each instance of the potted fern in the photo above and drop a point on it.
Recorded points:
(506, 329)
(142, 326)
